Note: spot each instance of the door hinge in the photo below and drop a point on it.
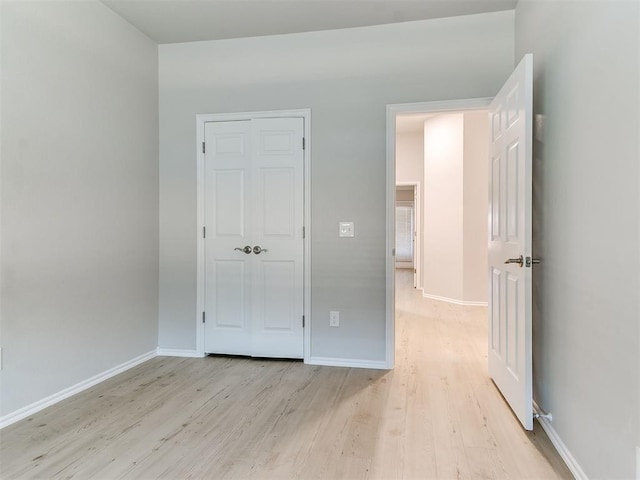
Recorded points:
(203, 317)
(203, 148)
(393, 252)
(304, 233)
(302, 321)
(204, 232)
(303, 143)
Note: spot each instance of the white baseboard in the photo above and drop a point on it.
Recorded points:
(347, 362)
(454, 300)
(177, 352)
(562, 449)
(24, 412)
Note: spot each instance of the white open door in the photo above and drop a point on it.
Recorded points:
(254, 200)
(510, 361)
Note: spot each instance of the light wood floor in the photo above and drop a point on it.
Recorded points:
(437, 415)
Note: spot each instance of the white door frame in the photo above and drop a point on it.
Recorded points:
(392, 111)
(201, 119)
(417, 225)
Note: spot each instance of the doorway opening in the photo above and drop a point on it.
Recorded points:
(426, 152)
(509, 258)
(407, 227)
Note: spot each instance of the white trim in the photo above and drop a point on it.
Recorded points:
(200, 272)
(347, 362)
(417, 227)
(72, 390)
(439, 106)
(455, 301)
(201, 119)
(417, 211)
(557, 442)
(392, 111)
(177, 352)
(390, 242)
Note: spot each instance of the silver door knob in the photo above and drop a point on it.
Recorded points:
(246, 249)
(257, 250)
(519, 260)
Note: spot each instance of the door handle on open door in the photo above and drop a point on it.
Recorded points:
(519, 260)
(531, 261)
(258, 249)
(246, 249)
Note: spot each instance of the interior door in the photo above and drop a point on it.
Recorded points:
(228, 227)
(510, 361)
(277, 286)
(254, 237)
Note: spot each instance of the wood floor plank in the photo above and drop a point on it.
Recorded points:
(420, 442)
(389, 456)
(437, 415)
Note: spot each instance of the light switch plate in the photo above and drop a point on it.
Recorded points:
(346, 229)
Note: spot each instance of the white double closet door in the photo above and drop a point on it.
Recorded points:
(254, 248)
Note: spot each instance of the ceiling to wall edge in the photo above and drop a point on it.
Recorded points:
(177, 21)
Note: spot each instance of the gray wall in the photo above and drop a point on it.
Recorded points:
(346, 77)
(79, 196)
(586, 185)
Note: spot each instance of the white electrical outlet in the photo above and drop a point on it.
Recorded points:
(334, 319)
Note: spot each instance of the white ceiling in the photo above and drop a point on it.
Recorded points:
(172, 21)
(412, 122)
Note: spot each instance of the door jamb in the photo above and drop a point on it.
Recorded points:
(392, 111)
(417, 225)
(201, 119)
